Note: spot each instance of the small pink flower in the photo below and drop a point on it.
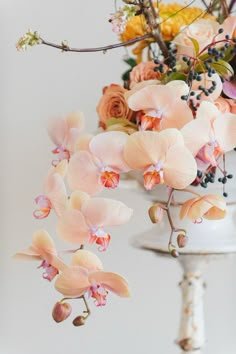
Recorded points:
(118, 21)
(101, 167)
(86, 218)
(43, 249)
(64, 133)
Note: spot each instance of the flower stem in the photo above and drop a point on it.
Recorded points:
(66, 48)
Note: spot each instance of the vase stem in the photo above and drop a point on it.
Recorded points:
(192, 327)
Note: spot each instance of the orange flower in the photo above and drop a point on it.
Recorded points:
(210, 206)
(143, 72)
(113, 104)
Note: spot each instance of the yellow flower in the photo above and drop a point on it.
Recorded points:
(172, 16)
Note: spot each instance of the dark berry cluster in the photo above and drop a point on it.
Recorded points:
(207, 178)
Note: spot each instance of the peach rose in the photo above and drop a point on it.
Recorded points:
(144, 72)
(113, 104)
(204, 32)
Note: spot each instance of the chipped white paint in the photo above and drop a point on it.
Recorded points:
(192, 329)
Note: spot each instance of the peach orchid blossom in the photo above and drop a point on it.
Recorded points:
(86, 217)
(99, 168)
(86, 277)
(43, 249)
(54, 196)
(64, 133)
(210, 135)
(162, 157)
(162, 106)
(209, 206)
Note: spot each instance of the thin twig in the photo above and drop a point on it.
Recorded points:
(66, 48)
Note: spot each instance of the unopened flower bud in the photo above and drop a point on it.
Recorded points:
(61, 311)
(156, 213)
(79, 321)
(174, 253)
(182, 240)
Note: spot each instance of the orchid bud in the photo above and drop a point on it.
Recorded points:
(156, 213)
(61, 311)
(79, 321)
(182, 240)
(174, 253)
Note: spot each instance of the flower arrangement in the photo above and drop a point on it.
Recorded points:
(173, 121)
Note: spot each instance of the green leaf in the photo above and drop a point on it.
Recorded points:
(223, 68)
(122, 121)
(174, 76)
(130, 61)
(195, 45)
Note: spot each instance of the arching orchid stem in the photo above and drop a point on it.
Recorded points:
(87, 311)
(66, 48)
(222, 170)
(171, 246)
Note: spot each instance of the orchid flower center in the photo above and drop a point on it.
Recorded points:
(101, 238)
(99, 293)
(153, 175)
(50, 271)
(155, 113)
(44, 205)
(109, 178)
(209, 152)
(62, 154)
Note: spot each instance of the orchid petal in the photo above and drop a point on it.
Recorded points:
(108, 147)
(57, 130)
(87, 260)
(180, 168)
(106, 212)
(186, 207)
(148, 147)
(55, 190)
(72, 227)
(82, 143)
(72, 282)
(207, 110)
(75, 120)
(83, 173)
(111, 281)
(225, 131)
(196, 134)
(214, 214)
(150, 97)
(178, 86)
(77, 199)
(180, 115)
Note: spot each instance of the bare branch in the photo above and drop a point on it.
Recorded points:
(66, 48)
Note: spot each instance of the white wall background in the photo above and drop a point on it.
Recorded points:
(34, 86)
